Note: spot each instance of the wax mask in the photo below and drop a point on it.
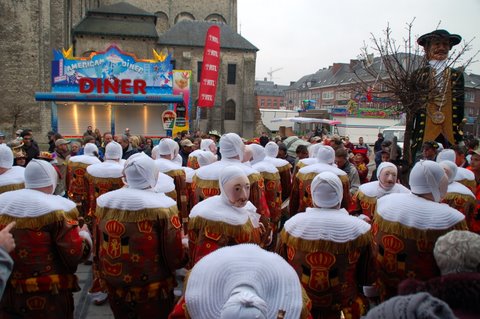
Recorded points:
(237, 191)
(213, 148)
(388, 178)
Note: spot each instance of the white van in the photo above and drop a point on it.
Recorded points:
(398, 131)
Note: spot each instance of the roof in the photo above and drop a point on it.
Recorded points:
(100, 22)
(121, 8)
(268, 88)
(192, 33)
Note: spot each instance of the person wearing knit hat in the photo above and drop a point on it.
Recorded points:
(406, 227)
(458, 256)
(364, 202)
(459, 196)
(76, 184)
(140, 247)
(225, 219)
(49, 246)
(419, 305)
(102, 178)
(206, 179)
(320, 242)
(242, 281)
(11, 177)
(164, 155)
(300, 197)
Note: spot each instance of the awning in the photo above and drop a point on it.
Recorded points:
(117, 98)
(305, 120)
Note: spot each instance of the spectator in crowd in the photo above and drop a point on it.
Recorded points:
(348, 145)
(283, 154)
(107, 138)
(127, 147)
(264, 139)
(185, 149)
(51, 141)
(377, 147)
(460, 155)
(429, 150)
(343, 163)
(29, 145)
(384, 157)
(98, 137)
(75, 148)
(362, 146)
(89, 131)
(378, 155)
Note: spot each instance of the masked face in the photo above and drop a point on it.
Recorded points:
(388, 177)
(237, 191)
(438, 49)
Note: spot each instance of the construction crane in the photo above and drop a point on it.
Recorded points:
(273, 71)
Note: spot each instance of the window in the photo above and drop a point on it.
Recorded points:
(469, 96)
(340, 96)
(262, 102)
(173, 63)
(199, 70)
(327, 95)
(232, 74)
(230, 110)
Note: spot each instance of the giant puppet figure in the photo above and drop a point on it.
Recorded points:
(443, 114)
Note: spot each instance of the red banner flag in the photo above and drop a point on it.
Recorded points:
(210, 68)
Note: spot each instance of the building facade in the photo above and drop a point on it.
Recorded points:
(269, 95)
(31, 30)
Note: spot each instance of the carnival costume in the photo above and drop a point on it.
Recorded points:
(102, 178)
(457, 255)
(301, 198)
(310, 160)
(463, 175)
(365, 199)
(444, 112)
(329, 250)
(193, 156)
(205, 181)
(139, 244)
(13, 178)
(273, 187)
(283, 167)
(76, 182)
(406, 227)
(459, 196)
(167, 147)
(49, 246)
(242, 281)
(215, 222)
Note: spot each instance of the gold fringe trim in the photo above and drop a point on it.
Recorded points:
(270, 176)
(205, 183)
(129, 216)
(471, 184)
(344, 179)
(210, 183)
(366, 199)
(300, 164)
(197, 223)
(325, 245)
(306, 177)
(40, 221)
(77, 164)
(284, 168)
(113, 180)
(11, 187)
(175, 172)
(466, 198)
(415, 233)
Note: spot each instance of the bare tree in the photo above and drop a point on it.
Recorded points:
(18, 115)
(398, 71)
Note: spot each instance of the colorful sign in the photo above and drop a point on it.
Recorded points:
(168, 119)
(353, 111)
(182, 86)
(210, 68)
(111, 71)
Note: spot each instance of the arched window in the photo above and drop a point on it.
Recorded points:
(162, 22)
(184, 16)
(230, 110)
(214, 17)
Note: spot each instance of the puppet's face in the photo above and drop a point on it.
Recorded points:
(238, 191)
(388, 177)
(438, 49)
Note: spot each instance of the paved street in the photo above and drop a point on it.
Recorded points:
(84, 308)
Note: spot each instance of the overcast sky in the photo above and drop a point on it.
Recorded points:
(303, 36)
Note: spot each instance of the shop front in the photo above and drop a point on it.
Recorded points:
(113, 90)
